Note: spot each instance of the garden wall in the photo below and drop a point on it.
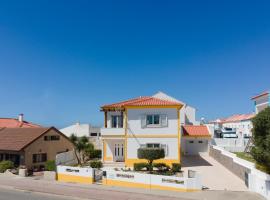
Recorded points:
(255, 180)
(151, 181)
(75, 174)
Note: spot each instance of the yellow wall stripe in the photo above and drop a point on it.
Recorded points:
(74, 179)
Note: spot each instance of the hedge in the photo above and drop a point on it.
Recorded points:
(50, 165)
(96, 164)
(140, 166)
(6, 164)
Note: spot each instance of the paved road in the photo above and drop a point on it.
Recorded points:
(12, 194)
(99, 192)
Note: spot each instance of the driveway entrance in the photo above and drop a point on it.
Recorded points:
(214, 175)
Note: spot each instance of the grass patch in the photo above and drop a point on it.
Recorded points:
(245, 156)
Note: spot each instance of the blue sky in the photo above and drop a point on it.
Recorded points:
(60, 61)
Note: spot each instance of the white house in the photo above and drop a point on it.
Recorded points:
(80, 130)
(261, 101)
(153, 121)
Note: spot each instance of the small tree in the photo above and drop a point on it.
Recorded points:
(261, 136)
(151, 154)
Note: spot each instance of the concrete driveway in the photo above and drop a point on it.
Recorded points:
(214, 175)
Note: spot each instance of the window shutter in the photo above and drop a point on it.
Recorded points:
(143, 121)
(165, 147)
(164, 120)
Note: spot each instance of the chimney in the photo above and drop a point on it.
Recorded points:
(20, 118)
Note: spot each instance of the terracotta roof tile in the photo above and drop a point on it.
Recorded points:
(15, 139)
(196, 131)
(143, 101)
(15, 123)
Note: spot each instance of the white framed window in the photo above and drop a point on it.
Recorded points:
(117, 121)
(156, 145)
(154, 120)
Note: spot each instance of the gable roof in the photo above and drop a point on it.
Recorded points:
(196, 131)
(260, 95)
(15, 123)
(143, 101)
(15, 139)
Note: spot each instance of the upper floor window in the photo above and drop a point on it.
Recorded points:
(154, 120)
(51, 137)
(117, 121)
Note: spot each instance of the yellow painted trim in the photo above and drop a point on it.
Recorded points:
(152, 136)
(109, 158)
(149, 107)
(74, 179)
(130, 162)
(144, 186)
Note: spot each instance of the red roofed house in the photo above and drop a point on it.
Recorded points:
(16, 123)
(195, 139)
(32, 147)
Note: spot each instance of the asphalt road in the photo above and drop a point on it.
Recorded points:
(12, 194)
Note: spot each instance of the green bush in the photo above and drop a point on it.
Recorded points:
(176, 167)
(50, 165)
(261, 138)
(151, 154)
(162, 167)
(95, 153)
(6, 164)
(140, 166)
(96, 164)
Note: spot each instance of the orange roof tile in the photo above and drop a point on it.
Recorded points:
(143, 101)
(15, 123)
(196, 131)
(237, 118)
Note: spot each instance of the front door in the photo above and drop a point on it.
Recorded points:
(119, 152)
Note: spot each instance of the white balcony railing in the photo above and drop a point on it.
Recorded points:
(112, 131)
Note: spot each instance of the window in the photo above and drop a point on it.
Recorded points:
(153, 145)
(200, 141)
(152, 119)
(51, 137)
(117, 121)
(93, 134)
(191, 141)
(38, 158)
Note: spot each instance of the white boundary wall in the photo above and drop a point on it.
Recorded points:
(75, 174)
(257, 181)
(150, 181)
(230, 144)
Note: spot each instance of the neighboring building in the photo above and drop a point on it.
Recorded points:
(195, 139)
(261, 101)
(141, 122)
(17, 123)
(239, 125)
(93, 133)
(32, 147)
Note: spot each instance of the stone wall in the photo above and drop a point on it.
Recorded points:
(229, 163)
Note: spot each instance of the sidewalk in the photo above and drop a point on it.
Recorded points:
(100, 192)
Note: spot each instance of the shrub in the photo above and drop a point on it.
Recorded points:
(6, 164)
(151, 154)
(96, 164)
(140, 166)
(95, 153)
(261, 136)
(176, 167)
(50, 165)
(161, 166)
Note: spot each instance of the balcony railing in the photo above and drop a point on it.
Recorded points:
(112, 131)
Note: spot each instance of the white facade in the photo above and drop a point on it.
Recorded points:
(80, 130)
(243, 128)
(261, 102)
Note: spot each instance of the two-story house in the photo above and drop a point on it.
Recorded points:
(141, 122)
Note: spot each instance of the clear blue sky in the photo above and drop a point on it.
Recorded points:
(59, 62)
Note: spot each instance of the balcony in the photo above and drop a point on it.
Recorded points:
(112, 131)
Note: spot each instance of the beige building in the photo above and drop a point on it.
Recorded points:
(32, 147)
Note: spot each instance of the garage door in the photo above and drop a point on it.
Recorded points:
(196, 146)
